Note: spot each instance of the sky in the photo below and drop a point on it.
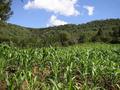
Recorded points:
(45, 13)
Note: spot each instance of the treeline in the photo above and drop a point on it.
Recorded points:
(106, 31)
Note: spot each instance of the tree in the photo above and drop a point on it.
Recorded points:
(116, 35)
(100, 32)
(5, 9)
(64, 38)
(81, 39)
(98, 37)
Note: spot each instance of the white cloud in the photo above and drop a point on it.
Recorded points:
(54, 21)
(62, 7)
(90, 9)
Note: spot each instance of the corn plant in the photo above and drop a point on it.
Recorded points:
(79, 67)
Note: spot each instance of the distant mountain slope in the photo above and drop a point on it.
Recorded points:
(107, 31)
(10, 31)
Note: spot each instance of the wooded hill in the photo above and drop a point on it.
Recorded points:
(107, 31)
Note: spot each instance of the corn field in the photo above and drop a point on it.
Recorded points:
(80, 67)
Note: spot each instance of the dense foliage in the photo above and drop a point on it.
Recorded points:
(85, 67)
(5, 9)
(107, 31)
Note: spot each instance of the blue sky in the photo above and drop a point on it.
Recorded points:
(43, 13)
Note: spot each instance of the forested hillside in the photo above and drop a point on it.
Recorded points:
(107, 31)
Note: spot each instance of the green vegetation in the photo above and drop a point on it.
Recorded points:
(5, 9)
(89, 66)
(106, 31)
(79, 67)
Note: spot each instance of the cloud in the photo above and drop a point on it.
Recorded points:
(62, 7)
(90, 9)
(54, 21)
